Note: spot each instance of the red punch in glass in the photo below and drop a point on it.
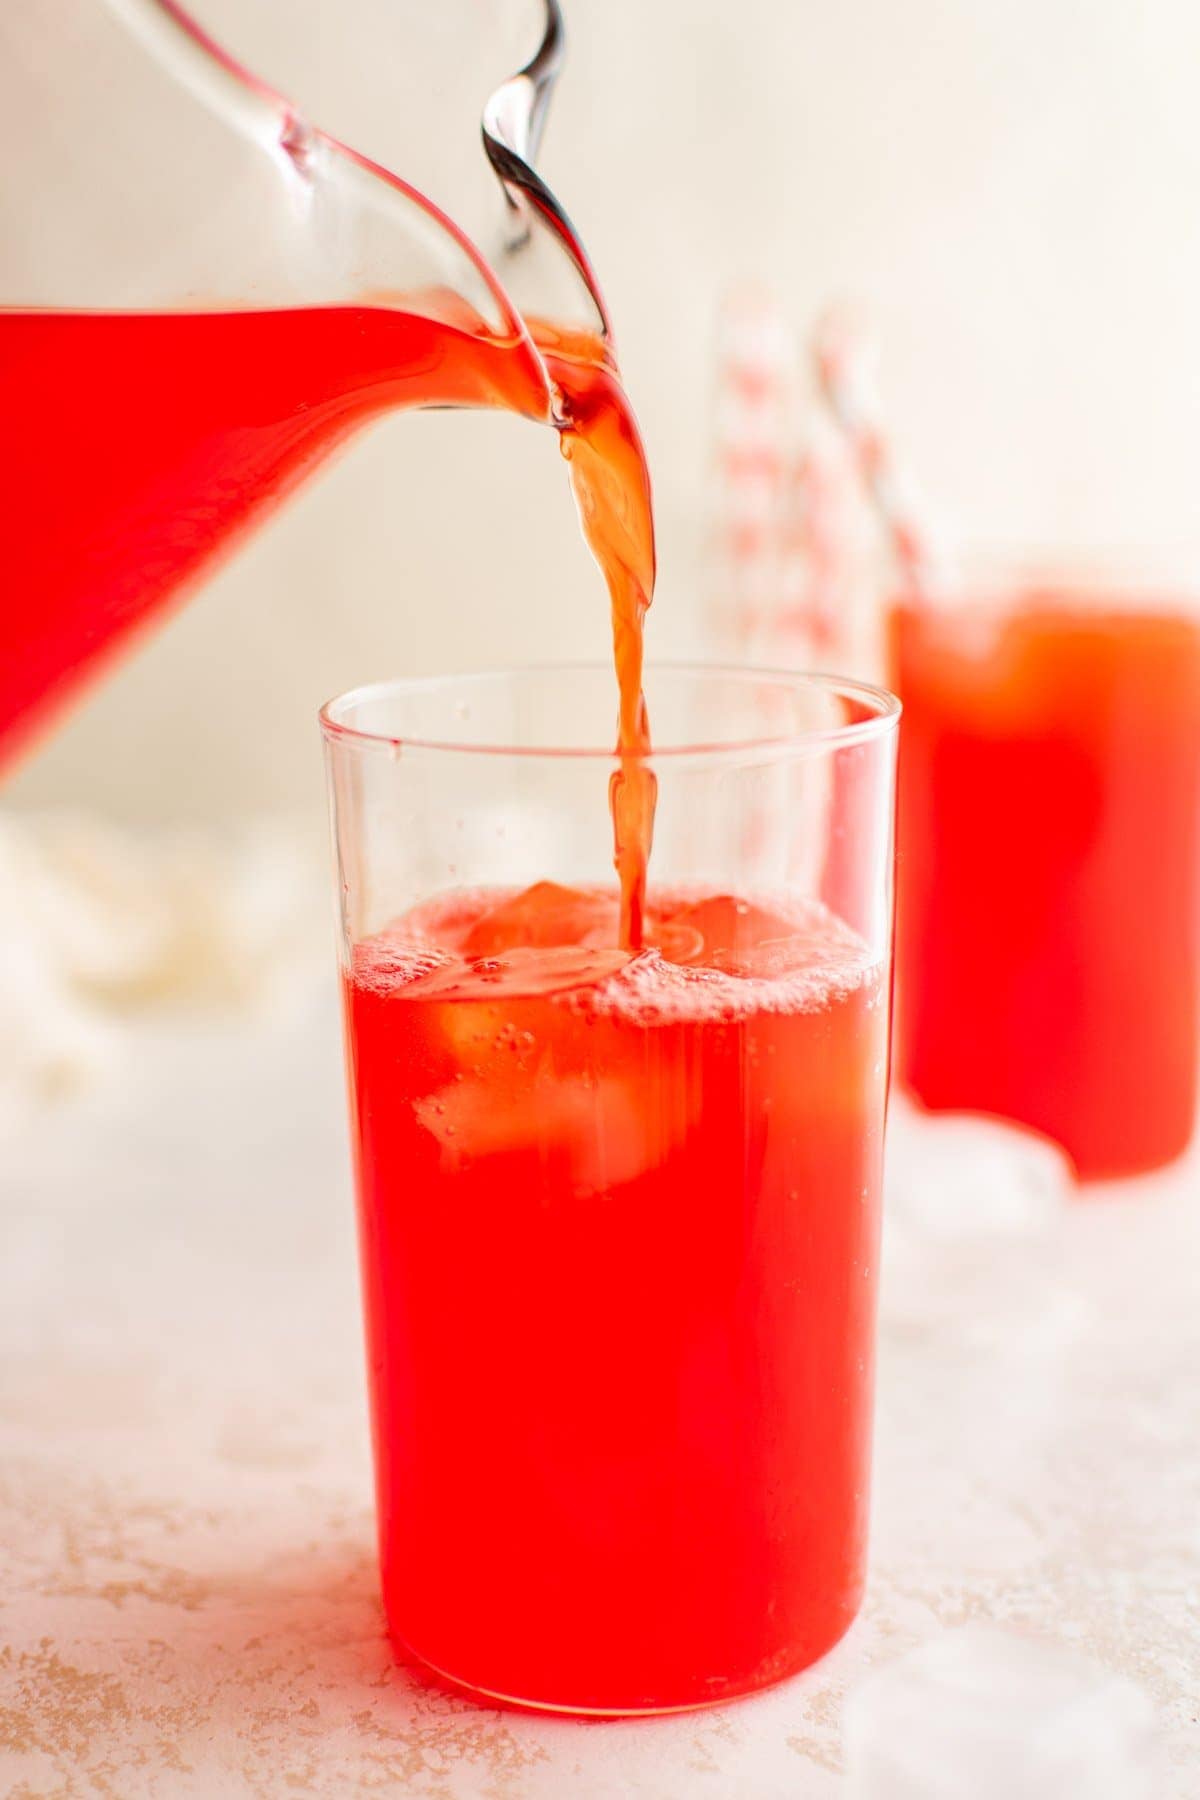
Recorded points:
(618, 1206)
(1049, 918)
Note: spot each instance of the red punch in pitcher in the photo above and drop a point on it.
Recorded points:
(618, 1204)
(202, 297)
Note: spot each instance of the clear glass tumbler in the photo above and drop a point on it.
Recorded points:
(1049, 875)
(618, 1212)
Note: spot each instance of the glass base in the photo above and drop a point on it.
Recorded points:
(781, 1671)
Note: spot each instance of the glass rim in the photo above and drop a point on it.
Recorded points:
(884, 714)
(1166, 576)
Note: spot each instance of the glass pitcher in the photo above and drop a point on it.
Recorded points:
(202, 295)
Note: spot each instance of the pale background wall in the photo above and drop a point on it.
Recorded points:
(1012, 186)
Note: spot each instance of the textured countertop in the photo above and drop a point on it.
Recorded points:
(189, 1600)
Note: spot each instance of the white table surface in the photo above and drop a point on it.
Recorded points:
(189, 1600)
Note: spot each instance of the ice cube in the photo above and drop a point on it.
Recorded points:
(544, 916)
(583, 1134)
(776, 957)
(992, 1715)
(730, 929)
(675, 942)
(954, 1175)
(973, 1216)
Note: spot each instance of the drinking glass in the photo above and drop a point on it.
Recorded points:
(618, 1209)
(1049, 872)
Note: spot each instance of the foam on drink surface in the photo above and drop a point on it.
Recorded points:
(711, 956)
